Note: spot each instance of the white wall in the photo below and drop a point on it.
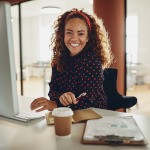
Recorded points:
(36, 35)
(142, 9)
(30, 40)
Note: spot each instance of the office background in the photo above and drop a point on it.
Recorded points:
(126, 21)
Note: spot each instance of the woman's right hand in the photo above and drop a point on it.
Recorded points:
(67, 99)
(42, 103)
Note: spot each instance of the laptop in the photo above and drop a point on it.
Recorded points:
(11, 105)
(25, 114)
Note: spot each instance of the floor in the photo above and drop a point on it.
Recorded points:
(35, 87)
(142, 92)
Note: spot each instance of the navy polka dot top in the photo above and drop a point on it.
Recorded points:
(83, 74)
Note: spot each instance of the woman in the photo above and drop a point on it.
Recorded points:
(81, 52)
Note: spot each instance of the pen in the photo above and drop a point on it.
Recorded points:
(79, 97)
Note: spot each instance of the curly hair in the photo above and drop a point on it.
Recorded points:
(98, 41)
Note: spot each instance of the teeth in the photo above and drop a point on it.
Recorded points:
(75, 45)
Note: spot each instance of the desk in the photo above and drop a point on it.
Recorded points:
(36, 135)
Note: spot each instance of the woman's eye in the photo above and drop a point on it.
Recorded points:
(81, 34)
(68, 32)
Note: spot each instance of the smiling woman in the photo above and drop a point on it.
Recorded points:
(81, 52)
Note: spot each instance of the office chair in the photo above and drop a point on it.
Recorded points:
(116, 101)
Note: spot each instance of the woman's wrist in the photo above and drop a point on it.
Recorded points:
(53, 105)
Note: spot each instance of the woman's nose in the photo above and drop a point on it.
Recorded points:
(74, 37)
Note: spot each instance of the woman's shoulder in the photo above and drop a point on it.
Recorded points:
(54, 69)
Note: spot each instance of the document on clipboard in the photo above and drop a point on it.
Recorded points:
(113, 130)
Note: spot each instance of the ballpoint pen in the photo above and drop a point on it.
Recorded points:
(79, 97)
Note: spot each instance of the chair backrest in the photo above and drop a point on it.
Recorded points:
(115, 100)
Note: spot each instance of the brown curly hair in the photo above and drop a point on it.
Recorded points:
(98, 41)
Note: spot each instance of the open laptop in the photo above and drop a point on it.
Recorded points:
(25, 114)
(11, 106)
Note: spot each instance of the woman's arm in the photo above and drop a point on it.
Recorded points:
(55, 92)
(42, 103)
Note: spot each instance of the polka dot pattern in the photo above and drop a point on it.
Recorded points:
(83, 74)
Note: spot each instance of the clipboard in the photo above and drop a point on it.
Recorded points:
(113, 130)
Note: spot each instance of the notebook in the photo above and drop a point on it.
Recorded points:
(113, 130)
(78, 116)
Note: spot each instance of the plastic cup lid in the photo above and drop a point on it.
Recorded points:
(62, 112)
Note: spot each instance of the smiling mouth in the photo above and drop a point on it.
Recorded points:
(74, 45)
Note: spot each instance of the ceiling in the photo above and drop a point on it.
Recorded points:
(32, 8)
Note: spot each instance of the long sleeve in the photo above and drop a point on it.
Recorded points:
(55, 92)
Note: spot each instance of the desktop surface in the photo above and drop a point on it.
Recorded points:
(37, 135)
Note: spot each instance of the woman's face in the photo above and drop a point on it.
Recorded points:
(76, 35)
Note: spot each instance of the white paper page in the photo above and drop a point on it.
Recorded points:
(113, 125)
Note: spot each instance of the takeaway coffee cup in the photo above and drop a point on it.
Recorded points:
(62, 120)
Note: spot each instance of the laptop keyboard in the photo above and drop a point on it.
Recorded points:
(30, 114)
(24, 109)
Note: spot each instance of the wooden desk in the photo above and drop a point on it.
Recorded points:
(36, 135)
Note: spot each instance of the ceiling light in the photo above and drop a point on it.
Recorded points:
(51, 10)
(90, 1)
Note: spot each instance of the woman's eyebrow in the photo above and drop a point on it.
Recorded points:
(72, 30)
(69, 30)
(81, 31)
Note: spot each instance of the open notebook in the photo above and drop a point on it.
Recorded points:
(81, 115)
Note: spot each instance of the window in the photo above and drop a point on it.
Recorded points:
(132, 39)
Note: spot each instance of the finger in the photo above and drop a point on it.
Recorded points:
(65, 99)
(38, 104)
(73, 98)
(62, 101)
(41, 109)
(68, 98)
(34, 101)
(38, 100)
